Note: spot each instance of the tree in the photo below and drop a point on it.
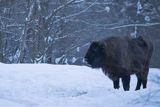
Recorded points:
(60, 31)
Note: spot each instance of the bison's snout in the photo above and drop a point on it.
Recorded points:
(86, 62)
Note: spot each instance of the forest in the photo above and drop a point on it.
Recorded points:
(60, 31)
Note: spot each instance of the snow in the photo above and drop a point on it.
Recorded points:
(57, 60)
(78, 49)
(107, 8)
(44, 85)
(74, 60)
(78, 1)
(139, 7)
(147, 18)
(5, 103)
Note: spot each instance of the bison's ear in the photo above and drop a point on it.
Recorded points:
(97, 44)
(94, 43)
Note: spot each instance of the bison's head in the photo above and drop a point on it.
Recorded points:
(95, 55)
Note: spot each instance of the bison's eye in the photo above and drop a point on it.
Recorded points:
(95, 50)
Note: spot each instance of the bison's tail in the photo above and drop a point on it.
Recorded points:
(148, 56)
(150, 50)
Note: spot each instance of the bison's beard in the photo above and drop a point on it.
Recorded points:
(94, 62)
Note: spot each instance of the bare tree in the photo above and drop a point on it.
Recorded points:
(59, 31)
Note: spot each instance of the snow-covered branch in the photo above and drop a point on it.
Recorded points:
(30, 12)
(76, 14)
(93, 24)
(133, 25)
(101, 3)
(10, 19)
(58, 9)
(8, 32)
(84, 10)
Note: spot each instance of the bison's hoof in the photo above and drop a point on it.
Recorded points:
(116, 87)
(137, 89)
(126, 89)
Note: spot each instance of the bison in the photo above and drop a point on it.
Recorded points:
(120, 57)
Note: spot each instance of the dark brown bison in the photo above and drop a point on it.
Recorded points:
(119, 57)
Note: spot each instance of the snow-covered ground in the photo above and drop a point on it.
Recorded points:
(44, 85)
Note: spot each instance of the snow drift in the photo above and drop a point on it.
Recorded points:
(44, 85)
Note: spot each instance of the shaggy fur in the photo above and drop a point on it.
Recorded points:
(119, 57)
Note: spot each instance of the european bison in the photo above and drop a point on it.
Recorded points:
(119, 57)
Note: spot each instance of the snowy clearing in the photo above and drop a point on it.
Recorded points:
(44, 85)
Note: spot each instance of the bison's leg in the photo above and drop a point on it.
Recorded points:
(144, 77)
(139, 81)
(144, 83)
(126, 82)
(116, 84)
